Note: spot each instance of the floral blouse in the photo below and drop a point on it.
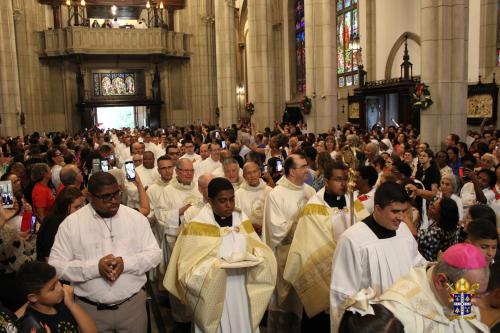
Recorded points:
(434, 239)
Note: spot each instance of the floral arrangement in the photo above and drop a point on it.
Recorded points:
(250, 108)
(421, 97)
(306, 105)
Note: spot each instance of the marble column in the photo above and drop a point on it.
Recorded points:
(260, 62)
(10, 95)
(321, 67)
(444, 33)
(225, 45)
(488, 40)
(200, 23)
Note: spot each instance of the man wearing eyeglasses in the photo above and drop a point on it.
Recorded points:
(176, 198)
(324, 218)
(105, 249)
(281, 213)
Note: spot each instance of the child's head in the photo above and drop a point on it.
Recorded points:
(383, 321)
(38, 282)
(483, 234)
(493, 291)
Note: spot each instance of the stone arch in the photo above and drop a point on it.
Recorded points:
(392, 55)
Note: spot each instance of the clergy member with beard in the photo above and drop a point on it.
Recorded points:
(281, 213)
(220, 268)
(308, 267)
(252, 194)
(165, 167)
(375, 252)
(176, 198)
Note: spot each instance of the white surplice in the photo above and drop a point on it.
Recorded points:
(148, 176)
(250, 199)
(363, 260)
(235, 313)
(281, 213)
(206, 166)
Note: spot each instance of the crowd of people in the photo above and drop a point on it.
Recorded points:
(344, 231)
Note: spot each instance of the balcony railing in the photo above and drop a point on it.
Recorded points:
(83, 40)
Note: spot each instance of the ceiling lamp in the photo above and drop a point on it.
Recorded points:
(161, 5)
(148, 5)
(82, 3)
(113, 9)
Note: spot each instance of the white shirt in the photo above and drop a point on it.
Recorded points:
(84, 238)
(115, 24)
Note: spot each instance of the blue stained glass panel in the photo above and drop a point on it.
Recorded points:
(341, 81)
(340, 5)
(347, 3)
(348, 80)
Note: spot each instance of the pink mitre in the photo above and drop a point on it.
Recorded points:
(464, 256)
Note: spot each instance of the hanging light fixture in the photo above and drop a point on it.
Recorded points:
(161, 4)
(68, 2)
(82, 3)
(113, 9)
(148, 5)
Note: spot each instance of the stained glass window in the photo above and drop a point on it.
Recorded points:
(114, 84)
(300, 46)
(347, 42)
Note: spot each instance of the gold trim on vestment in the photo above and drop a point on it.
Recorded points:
(247, 226)
(201, 229)
(314, 209)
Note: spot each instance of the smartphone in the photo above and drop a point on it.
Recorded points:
(33, 224)
(111, 157)
(461, 172)
(96, 165)
(7, 193)
(217, 135)
(104, 165)
(279, 165)
(130, 171)
(265, 169)
(223, 144)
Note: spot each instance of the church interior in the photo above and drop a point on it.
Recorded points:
(203, 61)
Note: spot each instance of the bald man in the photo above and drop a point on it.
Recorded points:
(180, 194)
(204, 152)
(193, 210)
(251, 195)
